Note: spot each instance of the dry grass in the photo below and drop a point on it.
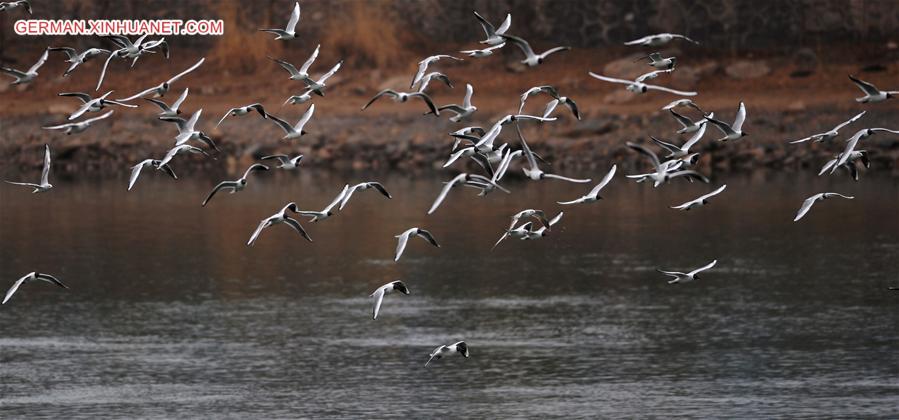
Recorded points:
(232, 51)
(366, 34)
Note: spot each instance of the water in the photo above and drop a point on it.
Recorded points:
(171, 315)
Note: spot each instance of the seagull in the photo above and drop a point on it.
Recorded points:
(656, 60)
(530, 58)
(285, 162)
(853, 142)
(404, 238)
(28, 76)
(184, 148)
(127, 49)
(658, 40)
(637, 85)
(9, 5)
(494, 35)
(327, 211)
(480, 53)
(243, 110)
(807, 204)
(462, 111)
(289, 32)
(318, 86)
(147, 163)
(32, 276)
(687, 277)
(45, 175)
(170, 111)
(403, 97)
(683, 102)
(303, 73)
(872, 94)
(160, 90)
(444, 351)
(861, 155)
(426, 80)
(298, 99)
(701, 201)
(688, 125)
(538, 215)
(731, 132)
(683, 152)
(89, 104)
(663, 171)
(294, 131)
(551, 105)
(519, 232)
(541, 232)
(187, 132)
(160, 43)
(77, 127)
(77, 59)
(237, 185)
(423, 66)
(593, 195)
(461, 179)
(829, 135)
(384, 290)
(278, 218)
(533, 171)
(362, 186)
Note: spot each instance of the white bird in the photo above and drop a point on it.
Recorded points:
(683, 102)
(187, 130)
(426, 80)
(244, 110)
(493, 34)
(299, 99)
(861, 155)
(533, 171)
(329, 210)
(89, 104)
(830, 135)
(148, 163)
(519, 232)
(318, 86)
(688, 125)
(664, 171)
(564, 100)
(384, 290)
(404, 238)
(593, 195)
(637, 85)
(45, 175)
(852, 142)
(303, 73)
(79, 126)
(807, 204)
(460, 179)
(127, 49)
(687, 277)
(171, 153)
(77, 59)
(731, 132)
(462, 111)
(161, 89)
(278, 218)
(531, 59)
(170, 111)
(872, 94)
(541, 232)
(236, 185)
(26, 76)
(362, 186)
(32, 276)
(289, 31)
(297, 130)
(480, 53)
(286, 162)
(537, 215)
(9, 5)
(423, 66)
(701, 201)
(656, 60)
(459, 348)
(658, 40)
(683, 152)
(403, 97)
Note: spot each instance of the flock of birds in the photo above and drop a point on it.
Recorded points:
(479, 144)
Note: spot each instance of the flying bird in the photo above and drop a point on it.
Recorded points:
(126, 49)
(237, 185)
(32, 276)
(187, 130)
(481, 53)
(9, 5)
(658, 40)
(462, 111)
(385, 290)
(853, 142)
(182, 149)
(423, 66)
(531, 59)
(533, 171)
(593, 195)
(687, 277)
(855, 155)
(362, 186)
(541, 232)
(278, 218)
(637, 85)
(318, 86)
(76, 59)
(688, 125)
(289, 32)
(329, 210)
(403, 97)
(426, 80)
(656, 60)
(809, 202)
(537, 215)
(79, 126)
(148, 163)
(701, 201)
(161, 89)
(664, 171)
(731, 132)
(461, 179)
(26, 76)
(244, 110)
(404, 238)
(459, 348)
(872, 94)
(89, 104)
(829, 135)
(683, 152)
(494, 34)
(303, 73)
(284, 161)
(170, 111)
(683, 102)
(294, 131)
(45, 175)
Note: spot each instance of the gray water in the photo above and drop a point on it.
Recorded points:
(171, 315)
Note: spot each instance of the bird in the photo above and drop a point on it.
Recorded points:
(170, 111)
(493, 34)
(531, 59)
(861, 155)
(462, 111)
(161, 89)
(541, 232)
(403, 97)
(32, 276)
(89, 104)
(551, 106)
(731, 132)
(384, 290)
(9, 5)
(426, 80)
(423, 66)
(299, 99)
(126, 49)
(303, 73)
(45, 185)
(658, 40)
(297, 130)
(538, 215)
(458, 180)
(403, 238)
(76, 59)
(687, 277)
(637, 85)
(872, 94)
(480, 53)
(148, 163)
(683, 152)
(237, 185)
(329, 210)
(26, 76)
(852, 142)
(278, 218)
(593, 195)
(513, 232)
(533, 171)
(243, 110)
(459, 348)
(362, 186)
(809, 202)
(664, 171)
(683, 102)
(171, 153)
(701, 201)
(688, 125)
(829, 135)
(318, 86)
(289, 32)
(284, 161)
(187, 130)
(656, 60)
(79, 126)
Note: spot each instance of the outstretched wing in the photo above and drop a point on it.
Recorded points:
(45, 172)
(806, 206)
(379, 297)
(294, 18)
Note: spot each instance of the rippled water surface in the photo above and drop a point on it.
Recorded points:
(171, 315)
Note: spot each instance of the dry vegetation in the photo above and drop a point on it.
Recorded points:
(368, 33)
(231, 51)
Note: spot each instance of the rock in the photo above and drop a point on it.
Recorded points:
(626, 68)
(745, 69)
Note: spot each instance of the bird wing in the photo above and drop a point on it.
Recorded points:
(40, 62)
(378, 186)
(639, 41)
(262, 225)
(330, 73)
(349, 193)
(849, 121)
(338, 199)
(15, 286)
(520, 43)
(488, 27)
(305, 68)
(45, 172)
(379, 297)
(864, 86)
(550, 107)
(466, 102)
(294, 18)
(833, 194)
(563, 178)
(648, 153)
(713, 193)
(665, 145)
(287, 66)
(254, 167)
(103, 72)
(137, 95)
(828, 165)
(428, 101)
(689, 174)
(669, 90)
(428, 237)
(101, 117)
(223, 184)
(12, 72)
(70, 52)
(741, 117)
(180, 100)
(503, 27)
(684, 121)
(82, 96)
(553, 51)
(806, 206)
(50, 279)
(703, 268)
(293, 223)
(185, 72)
(445, 190)
(401, 244)
(281, 123)
(135, 172)
(723, 126)
(281, 158)
(225, 116)
(532, 163)
(390, 92)
(168, 170)
(695, 139)
(573, 107)
(605, 180)
(304, 119)
(684, 38)
(610, 79)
